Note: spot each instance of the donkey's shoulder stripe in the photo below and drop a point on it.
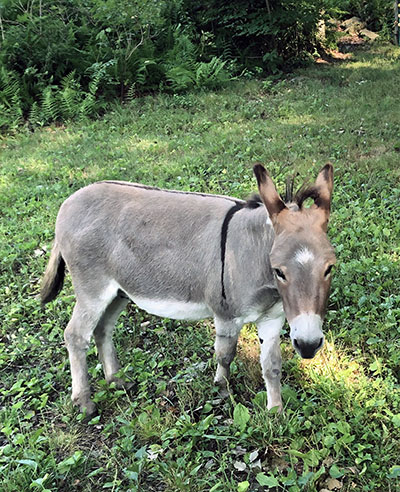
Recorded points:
(224, 235)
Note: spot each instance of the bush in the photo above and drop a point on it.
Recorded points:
(260, 36)
(377, 14)
(66, 58)
(61, 60)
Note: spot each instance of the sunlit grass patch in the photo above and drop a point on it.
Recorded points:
(248, 352)
(338, 373)
(334, 364)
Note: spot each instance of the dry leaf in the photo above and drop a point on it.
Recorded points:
(328, 461)
(253, 456)
(333, 484)
(279, 463)
(256, 464)
(239, 451)
(240, 466)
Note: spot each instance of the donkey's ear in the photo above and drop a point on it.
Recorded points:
(268, 193)
(324, 186)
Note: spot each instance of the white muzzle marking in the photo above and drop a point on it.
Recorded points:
(306, 334)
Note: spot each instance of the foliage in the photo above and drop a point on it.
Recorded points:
(62, 60)
(341, 422)
(10, 99)
(378, 14)
(259, 36)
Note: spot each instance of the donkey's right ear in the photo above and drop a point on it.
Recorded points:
(268, 193)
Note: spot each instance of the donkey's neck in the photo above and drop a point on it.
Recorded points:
(249, 283)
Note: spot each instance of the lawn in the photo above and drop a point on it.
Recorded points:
(341, 426)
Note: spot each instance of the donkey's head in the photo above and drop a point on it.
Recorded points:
(302, 256)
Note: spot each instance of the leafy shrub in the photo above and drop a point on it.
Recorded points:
(67, 58)
(183, 71)
(260, 34)
(62, 60)
(377, 14)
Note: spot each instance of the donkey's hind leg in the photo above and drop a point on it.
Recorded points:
(86, 316)
(103, 337)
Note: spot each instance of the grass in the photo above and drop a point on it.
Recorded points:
(341, 426)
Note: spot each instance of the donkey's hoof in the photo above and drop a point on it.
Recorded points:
(87, 408)
(276, 409)
(223, 391)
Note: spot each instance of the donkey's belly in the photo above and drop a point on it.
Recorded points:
(170, 308)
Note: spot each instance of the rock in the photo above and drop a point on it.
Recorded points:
(350, 43)
(352, 25)
(369, 34)
(348, 22)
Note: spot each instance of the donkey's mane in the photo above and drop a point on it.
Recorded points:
(306, 191)
(254, 201)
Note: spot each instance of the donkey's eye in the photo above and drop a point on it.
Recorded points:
(279, 274)
(328, 270)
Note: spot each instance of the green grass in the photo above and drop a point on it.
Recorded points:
(341, 426)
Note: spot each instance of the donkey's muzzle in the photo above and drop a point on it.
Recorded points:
(306, 334)
(307, 350)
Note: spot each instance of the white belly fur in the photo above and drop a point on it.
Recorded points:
(170, 308)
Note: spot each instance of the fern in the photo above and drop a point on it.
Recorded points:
(11, 112)
(226, 51)
(69, 97)
(50, 108)
(35, 115)
(211, 74)
(9, 87)
(141, 71)
(131, 94)
(88, 106)
(180, 78)
(69, 81)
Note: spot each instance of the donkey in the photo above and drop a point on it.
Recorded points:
(192, 256)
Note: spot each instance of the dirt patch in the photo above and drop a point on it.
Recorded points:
(349, 43)
(332, 56)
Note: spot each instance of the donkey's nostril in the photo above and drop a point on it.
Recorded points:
(306, 349)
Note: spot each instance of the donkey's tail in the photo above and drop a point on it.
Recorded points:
(53, 278)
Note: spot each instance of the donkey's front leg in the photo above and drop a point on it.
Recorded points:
(271, 360)
(227, 333)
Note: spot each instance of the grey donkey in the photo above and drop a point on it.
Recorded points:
(192, 256)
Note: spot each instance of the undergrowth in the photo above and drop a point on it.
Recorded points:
(62, 61)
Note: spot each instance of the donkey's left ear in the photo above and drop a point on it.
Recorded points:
(324, 186)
